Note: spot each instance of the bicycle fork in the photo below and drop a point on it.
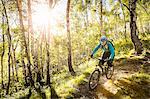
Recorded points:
(103, 70)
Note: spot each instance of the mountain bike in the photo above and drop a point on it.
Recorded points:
(99, 71)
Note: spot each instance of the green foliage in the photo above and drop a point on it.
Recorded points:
(123, 47)
(65, 84)
(85, 35)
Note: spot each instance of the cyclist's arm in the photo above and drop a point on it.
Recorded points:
(96, 48)
(112, 51)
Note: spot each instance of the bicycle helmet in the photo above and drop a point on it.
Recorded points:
(103, 38)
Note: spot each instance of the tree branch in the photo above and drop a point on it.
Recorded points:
(126, 6)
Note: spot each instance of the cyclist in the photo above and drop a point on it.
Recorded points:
(108, 50)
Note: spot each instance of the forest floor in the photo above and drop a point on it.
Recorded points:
(131, 80)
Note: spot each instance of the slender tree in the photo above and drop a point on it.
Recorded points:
(14, 60)
(48, 48)
(42, 54)
(29, 21)
(69, 40)
(51, 4)
(30, 28)
(3, 50)
(38, 74)
(9, 45)
(101, 17)
(34, 53)
(125, 34)
(48, 65)
(12, 68)
(86, 13)
(19, 5)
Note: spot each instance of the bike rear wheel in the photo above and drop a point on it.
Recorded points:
(109, 72)
(94, 79)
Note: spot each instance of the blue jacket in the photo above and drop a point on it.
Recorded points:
(110, 48)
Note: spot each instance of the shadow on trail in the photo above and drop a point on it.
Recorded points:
(136, 87)
(83, 92)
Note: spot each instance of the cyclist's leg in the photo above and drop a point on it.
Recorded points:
(105, 55)
(110, 63)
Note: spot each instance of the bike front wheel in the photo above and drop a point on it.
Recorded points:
(94, 79)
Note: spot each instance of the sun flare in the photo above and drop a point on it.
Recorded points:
(48, 19)
(43, 16)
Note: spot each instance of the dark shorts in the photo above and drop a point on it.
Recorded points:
(105, 56)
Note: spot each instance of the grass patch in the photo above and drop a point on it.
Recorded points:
(69, 84)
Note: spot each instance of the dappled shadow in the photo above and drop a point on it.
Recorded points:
(84, 92)
(135, 87)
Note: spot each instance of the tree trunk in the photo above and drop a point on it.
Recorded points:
(48, 40)
(3, 50)
(69, 40)
(87, 19)
(24, 69)
(19, 5)
(101, 17)
(125, 34)
(12, 69)
(41, 58)
(41, 55)
(133, 27)
(9, 46)
(30, 29)
(14, 61)
(34, 53)
(30, 33)
(38, 74)
(48, 65)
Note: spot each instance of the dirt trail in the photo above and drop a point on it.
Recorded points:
(107, 89)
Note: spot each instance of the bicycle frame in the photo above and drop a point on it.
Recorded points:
(101, 67)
